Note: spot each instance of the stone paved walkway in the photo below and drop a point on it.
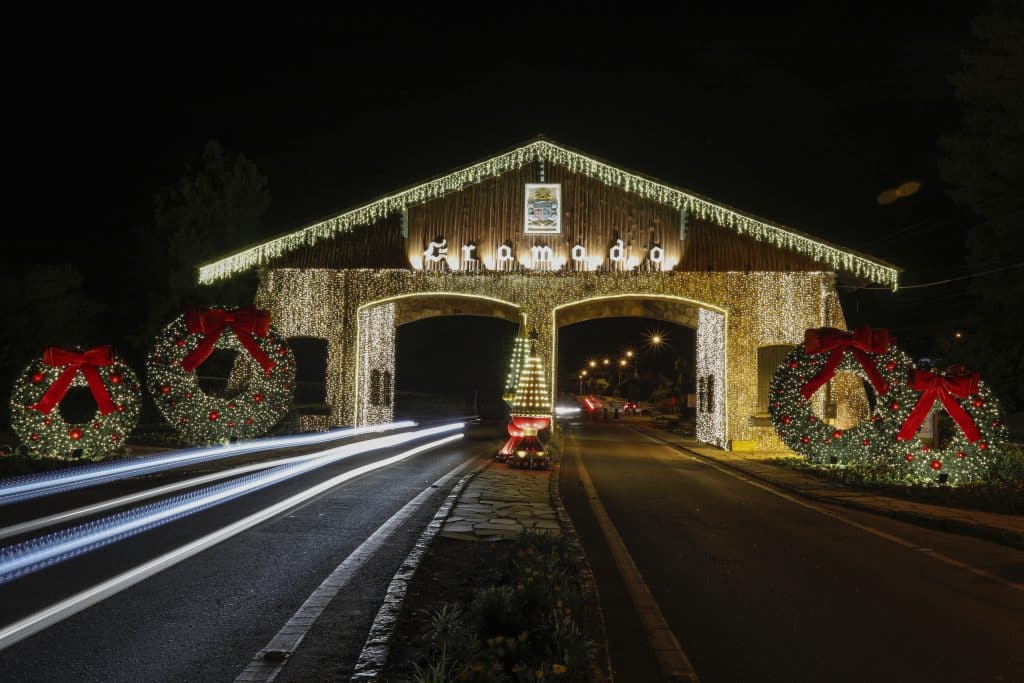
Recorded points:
(500, 503)
(1005, 528)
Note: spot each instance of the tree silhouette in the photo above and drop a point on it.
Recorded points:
(984, 163)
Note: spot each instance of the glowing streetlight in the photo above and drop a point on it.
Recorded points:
(629, 353)
(593, 363)
(622, 362)
(606, 361)
(655, 339)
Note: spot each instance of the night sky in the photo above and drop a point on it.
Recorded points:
(802, 117)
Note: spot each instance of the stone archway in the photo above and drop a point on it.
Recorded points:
(376, 322)
(710, 323)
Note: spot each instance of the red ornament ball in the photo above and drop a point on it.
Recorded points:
(960, 454)
(936, 465)
(96, 425)
(231, 423)
(34, 437)
(283, 351)
(120, 407)
(266, 373)
(805, 439)
(258, 397)
(866, 442)
(786, 419)
(179, 343)
(978, 403)
(165, 389)
(115, 437)
(47, 421)
(231, 405)
(890, 366)
(837, 433)
(214, 415)
(182, 419)
(793, 364)
(775, 404)
(996, 423)
(75, 434)
(825, 440)
(38, 377)
(248, 420)
(289, 386)
(909, 457)
(115, 378)
(895, 405)
(983, 445)
(812, 418)
(188, 394)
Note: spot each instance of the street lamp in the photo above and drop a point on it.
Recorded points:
(582, 375)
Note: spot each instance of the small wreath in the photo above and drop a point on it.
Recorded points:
(267, 374)
(44, 384)
(864, 352)
(980, 431)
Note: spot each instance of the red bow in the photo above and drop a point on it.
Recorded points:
(956, 381)
(213, 321)
(72, 361)
(861, 341)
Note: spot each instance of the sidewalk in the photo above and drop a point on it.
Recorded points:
(1003, 528)
(500, 503)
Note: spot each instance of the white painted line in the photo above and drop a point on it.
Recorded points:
(674, 663)
(12, 633)
(375, 651)
(288, 639)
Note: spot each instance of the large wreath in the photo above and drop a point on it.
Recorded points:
(865, 353)
(976, 413)
(39, 390)
(265, 374)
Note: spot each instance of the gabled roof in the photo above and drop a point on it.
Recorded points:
(777, 235)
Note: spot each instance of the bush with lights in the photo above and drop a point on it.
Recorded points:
(826, 351)
(39, 390)
(980, 432)
(266, 370)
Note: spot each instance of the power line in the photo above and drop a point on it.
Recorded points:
(942, 282)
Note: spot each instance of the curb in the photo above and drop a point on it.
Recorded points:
(600, 669)
(983, 531)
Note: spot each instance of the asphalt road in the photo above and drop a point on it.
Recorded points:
(205, 618)
(756, 587)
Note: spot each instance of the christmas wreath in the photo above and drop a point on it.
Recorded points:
(975, 411)
(39, 390)
(864, 352)
(264, 378)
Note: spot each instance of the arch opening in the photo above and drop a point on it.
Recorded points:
(691, 370)
(432, 355)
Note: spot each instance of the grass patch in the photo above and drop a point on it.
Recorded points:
(493, 612)
(1002, 490)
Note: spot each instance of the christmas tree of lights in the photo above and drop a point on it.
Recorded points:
(520, 352)
(532, 398)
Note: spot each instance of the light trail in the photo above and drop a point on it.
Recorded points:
(23, 628)
(32, 486)
(30, 556)
(96, 508)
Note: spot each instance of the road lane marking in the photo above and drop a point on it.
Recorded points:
(23, 628)
(287, 640)
(675, 665)
(941, 557)
(375, 650)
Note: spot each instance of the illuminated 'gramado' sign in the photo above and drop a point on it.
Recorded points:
(543, 216)
(541, 257)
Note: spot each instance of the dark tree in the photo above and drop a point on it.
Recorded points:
(984, 164)
(215, 208)
(43, 306)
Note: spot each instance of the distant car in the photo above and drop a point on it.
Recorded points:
(629, 408)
